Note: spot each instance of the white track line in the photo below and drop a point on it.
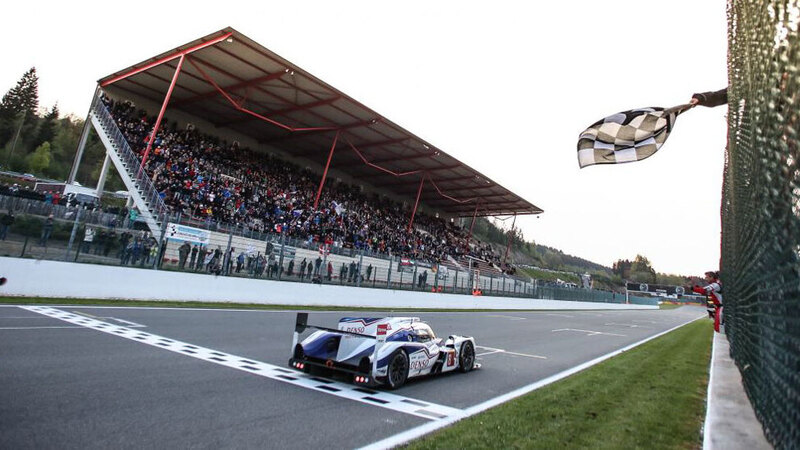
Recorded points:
(41, 328)
(506, 317)
(629, 325)
(419, 408)
(414, 433)
(500, 350)
(589, 332)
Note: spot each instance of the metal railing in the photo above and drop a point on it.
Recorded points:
(143, 184)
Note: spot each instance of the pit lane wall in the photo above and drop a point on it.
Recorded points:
(55, 279)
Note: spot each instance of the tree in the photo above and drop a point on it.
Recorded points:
(622, 268)
(20, 102)
(39, 160)
(641, 270)
(47, 127)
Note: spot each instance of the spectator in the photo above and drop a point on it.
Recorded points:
(290, 269)
(240, 262)
(330, 271)
(183, 254)
(47, 229)
(5, 223)
(193, 257)
(302, 272)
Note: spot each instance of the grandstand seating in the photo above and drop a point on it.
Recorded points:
(209, 180)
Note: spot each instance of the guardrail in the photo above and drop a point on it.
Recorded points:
(130, 160)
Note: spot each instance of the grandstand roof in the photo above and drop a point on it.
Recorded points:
(233, 82)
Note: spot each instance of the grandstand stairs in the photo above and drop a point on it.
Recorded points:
(143, 192)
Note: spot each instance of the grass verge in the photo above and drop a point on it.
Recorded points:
(650, 397)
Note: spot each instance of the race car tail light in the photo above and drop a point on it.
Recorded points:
(299, 365)
(360, 379)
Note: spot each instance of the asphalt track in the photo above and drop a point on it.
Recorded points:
(89, 377)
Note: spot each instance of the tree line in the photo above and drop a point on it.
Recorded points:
(41, 141)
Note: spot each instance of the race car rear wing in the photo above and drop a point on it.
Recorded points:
(301, 324)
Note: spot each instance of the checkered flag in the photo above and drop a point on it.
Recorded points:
(627, 136)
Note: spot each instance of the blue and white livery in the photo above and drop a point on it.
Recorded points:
(380, 351)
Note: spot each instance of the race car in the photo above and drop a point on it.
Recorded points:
(380, 351)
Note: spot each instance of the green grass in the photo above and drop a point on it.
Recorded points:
(650, 397)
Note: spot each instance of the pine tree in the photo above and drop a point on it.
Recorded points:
(47, 127)
(19, 105)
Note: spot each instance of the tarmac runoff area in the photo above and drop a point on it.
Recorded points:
(100, 377)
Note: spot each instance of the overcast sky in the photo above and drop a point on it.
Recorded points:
(505, 87)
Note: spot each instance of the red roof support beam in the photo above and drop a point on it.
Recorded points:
(282, 112)
(247, 111)
(416, 203)
(232, 87)
(161, 113)
(178, 54)
(383, 169)
(325, 173)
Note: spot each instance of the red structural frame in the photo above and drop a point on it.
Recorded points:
(183, 55)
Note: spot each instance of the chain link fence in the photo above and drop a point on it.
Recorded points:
(69, 233)
(761, 211)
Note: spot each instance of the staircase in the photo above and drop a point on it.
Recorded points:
(142, 190)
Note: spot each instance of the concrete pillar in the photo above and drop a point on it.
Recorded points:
(101, 183)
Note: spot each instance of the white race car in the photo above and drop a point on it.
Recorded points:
(380, 351)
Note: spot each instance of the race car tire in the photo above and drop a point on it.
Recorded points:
(397, 371)
(466, 360)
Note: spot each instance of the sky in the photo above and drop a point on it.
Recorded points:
(505, 87)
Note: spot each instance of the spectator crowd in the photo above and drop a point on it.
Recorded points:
(210, 180)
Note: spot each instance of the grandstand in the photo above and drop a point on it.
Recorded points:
(222, 133)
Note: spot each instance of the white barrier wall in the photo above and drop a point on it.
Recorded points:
(54, 279)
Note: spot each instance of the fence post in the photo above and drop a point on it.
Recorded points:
(161, 246)
(389, 273)
(226, 259)
(283, 247)
(360, 268)
(24, 246)
(74, 232)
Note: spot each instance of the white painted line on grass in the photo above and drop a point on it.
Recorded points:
(397, 403)
(588, 332)
(419, 431)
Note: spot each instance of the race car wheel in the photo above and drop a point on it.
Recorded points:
(466, 361)
(397, 372)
